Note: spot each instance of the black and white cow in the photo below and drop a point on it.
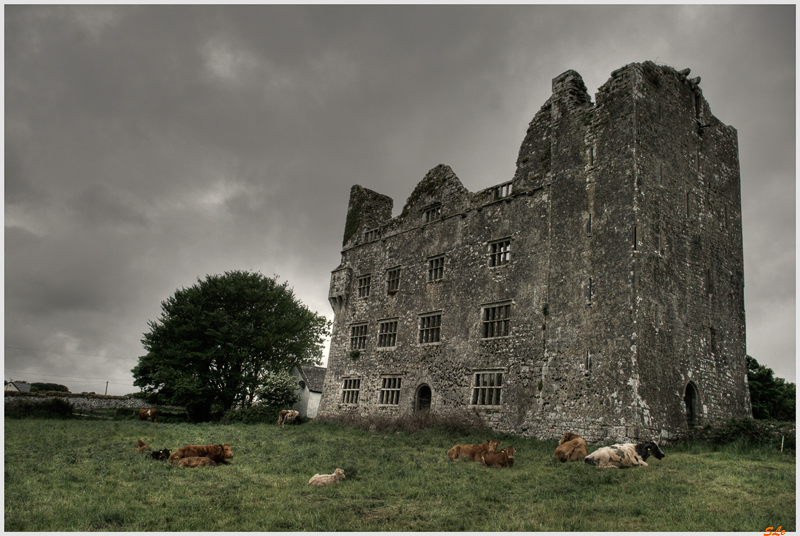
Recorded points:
(624, 455)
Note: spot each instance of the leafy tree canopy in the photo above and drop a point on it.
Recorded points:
(45, 387)
(771, 398)
(217, 341)
(279, 390)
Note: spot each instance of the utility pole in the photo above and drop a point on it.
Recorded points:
(106, 386)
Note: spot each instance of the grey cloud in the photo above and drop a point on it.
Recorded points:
(150, 145)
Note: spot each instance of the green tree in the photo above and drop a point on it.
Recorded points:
(217, 341)
(278, 390)
(771, 397)
(45, 387)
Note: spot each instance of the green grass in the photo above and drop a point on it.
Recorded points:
(83, 475)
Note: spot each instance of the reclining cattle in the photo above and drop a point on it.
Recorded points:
(500, 458)
(289, 416)
(323, 480)
(141, 446)
(624, 455)
(571, 448)
(195, 461)
(472, 452)
(162, 454)
(148, 415)
(216, 453)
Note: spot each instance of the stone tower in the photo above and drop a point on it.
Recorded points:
(600, 291)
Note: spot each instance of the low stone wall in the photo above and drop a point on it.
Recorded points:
(90, 402)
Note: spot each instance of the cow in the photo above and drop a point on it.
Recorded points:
(289, 416)
(195, 461)
(472, 452)
(141, 446)
(217, 453)
(624, 455)
(500, 458)
(148, 415)
(571, 448)
(324, 480)
(162, 454)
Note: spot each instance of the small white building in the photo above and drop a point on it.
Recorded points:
(22, 387)
(310, 380)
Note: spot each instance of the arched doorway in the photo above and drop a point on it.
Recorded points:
(690, 400)
(422, 401)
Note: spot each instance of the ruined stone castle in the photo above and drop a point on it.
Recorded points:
(600, 291)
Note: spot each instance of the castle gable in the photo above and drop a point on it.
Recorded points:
(439, 188)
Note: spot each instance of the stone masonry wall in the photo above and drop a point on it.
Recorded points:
(89, 402)
(621, 276)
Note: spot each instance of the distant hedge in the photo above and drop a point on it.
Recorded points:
(755, 432)
(256, 414)
(46, 409)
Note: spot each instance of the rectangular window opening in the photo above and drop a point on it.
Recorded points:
(502, 190)
(364, 285)
(496, 321)
(371, 235)
(387, 333)
(430, 326)
(358, 337)
(393, 280)
(432, 213)
(500, 252)
(390, 391)
(436, 268)
(487, 388)
(350, 390)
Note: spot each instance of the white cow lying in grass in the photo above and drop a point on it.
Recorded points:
(624, 455)
(324, 480)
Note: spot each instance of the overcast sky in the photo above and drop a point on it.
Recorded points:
(147, 146)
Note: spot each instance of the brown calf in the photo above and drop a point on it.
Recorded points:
(501, 458)
(289, 416)
(148, 415)
(324, 480)
(195, 461)
(472, 452)
(217, 453)
(571, 448)
(140, 446)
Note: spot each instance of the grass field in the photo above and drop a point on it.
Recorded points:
(68, 475)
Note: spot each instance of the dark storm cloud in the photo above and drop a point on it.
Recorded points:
(146, 146)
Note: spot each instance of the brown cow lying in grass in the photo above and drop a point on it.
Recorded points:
(217, 453)
(162, 454)
(324, 480)
(195, 461)
(148, 415)
(571, 448)
(472, 452)
(501, 458)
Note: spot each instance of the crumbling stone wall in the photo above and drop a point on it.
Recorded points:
(624, 278)
(90, 402)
